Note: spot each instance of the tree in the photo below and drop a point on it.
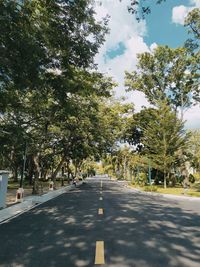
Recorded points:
(163, 138)
(194, 149)
(165, 74)
(47, 80)
(49, 40)
(192, 22)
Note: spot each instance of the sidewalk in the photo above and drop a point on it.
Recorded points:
(30, 202)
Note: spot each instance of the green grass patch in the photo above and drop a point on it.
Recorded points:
(194, 191)
(150, 188)
(171, 190)
(196, 186)
(194, 194)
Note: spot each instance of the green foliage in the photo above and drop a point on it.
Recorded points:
(191, 178)
(192, 22)
(52, 98)
(143, 179)
(151, 188)
(166, 74)
(194, 149)
(163, 138)
(197, 176)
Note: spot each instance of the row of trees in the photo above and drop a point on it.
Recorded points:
(55, 108)
(137, 168)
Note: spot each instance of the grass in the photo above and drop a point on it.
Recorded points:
(194, 190)
(194, 194)
(26, 185)
(171, 190)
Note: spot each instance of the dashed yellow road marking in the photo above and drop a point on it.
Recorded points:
(100, 198)
(99, 255)
(100, 211)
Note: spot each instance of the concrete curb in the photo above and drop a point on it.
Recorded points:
(166, 195)
(31, 202)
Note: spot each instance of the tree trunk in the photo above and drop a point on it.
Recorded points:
(30, 171)
(53, 176)
(36, 174)
(134, 178)
(76, 168)
(125, 169)
(185, 174)
(15, 173)
(165, 180)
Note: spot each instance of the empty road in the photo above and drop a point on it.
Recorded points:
(103, 223)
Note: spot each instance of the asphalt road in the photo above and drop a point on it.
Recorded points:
(135, 230)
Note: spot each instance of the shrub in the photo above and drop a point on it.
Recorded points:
(191, 178)
(151, 188)
(143, 178)
(197, 176)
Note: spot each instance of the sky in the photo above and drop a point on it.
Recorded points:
(127, 38)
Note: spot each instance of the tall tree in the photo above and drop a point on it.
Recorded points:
(165, 74)
(163, 139)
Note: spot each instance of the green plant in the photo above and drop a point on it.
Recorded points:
(151, 188)
(143, 178)
(191, 178)
(197, 176)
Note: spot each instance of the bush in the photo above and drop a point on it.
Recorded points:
(143, 178)
(151, 188)
(84, 175)
(197, 176)
(191, 178)
(121, 177)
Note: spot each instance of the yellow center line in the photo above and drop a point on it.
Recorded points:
(99, 255)
(100, 211)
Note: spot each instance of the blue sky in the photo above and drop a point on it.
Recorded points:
(127, 38)
(160, 27)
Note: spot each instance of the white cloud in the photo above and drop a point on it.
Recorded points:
(153, 46)
(192, 117)
(179, 13)
(196, 3)
(125, 29)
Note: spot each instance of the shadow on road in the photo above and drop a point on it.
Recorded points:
(138, 230)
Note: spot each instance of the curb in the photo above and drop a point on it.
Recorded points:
(31, 202)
